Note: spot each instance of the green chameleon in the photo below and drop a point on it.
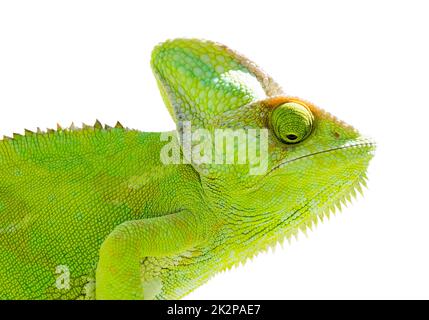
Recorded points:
(96, 213)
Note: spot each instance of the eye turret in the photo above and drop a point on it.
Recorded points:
(291, 122)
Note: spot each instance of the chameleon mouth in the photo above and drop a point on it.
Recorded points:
(340, 194)
(365, 143)
(306, 217)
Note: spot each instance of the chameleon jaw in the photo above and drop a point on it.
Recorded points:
(367, 143)
(318, 208)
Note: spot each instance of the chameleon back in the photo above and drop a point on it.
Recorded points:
(62, 192)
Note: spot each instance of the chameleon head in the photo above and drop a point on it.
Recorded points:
(308, 161)
(315, 161)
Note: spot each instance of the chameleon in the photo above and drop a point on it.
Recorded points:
(96, 212)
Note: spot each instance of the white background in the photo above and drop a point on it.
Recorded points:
(364, 61)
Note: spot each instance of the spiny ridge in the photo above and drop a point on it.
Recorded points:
(97, 126)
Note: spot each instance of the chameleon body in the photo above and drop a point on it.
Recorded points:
(94, 212)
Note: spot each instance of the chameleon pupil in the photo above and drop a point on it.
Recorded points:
(292, 137)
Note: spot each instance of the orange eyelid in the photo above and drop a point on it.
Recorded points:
(278, 100)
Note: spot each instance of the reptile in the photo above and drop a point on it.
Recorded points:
(100, 212)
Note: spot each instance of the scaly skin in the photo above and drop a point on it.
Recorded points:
(99, 201)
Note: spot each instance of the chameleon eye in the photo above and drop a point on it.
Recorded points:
(291, 122)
